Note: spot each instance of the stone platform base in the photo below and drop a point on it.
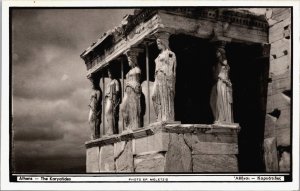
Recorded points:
(165, 147)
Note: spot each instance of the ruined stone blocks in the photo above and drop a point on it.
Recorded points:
(168, 148)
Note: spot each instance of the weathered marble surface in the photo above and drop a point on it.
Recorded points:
(186, 148)
(92, 159)
(285, 162)
(106, 156)
(278, 127)
(152, 143)
(124, 161)
(179, 155)
(215, 163)
(270, 155)
(215, 148)
(151, 162)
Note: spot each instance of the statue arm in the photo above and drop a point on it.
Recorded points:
(228, 82)
(99, 95)
(174, 65)
(137, 87)
(138, 74)
(227, 68)
(172, 62)
(225, 80)
(117, 86)
(116, 96)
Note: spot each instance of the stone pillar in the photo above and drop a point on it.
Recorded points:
(165, 77)
(95, 107)
(131, 108)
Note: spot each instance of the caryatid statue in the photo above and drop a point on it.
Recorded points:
(112, 103)
(221, 96)
(95, 107)
(131, 104)
(165, 76)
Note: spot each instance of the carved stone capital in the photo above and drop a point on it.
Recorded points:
(162, 39)
(219, 38)
(95, 80)
(162, 35)
(132, 52)
(220, 49)
(132, 55)
(220, 44)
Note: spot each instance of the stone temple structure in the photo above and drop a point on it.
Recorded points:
(191, 90)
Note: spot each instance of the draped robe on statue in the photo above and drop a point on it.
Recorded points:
(221, 96)
(164, 86)
(131, 105)
(95, 113)
(112, 102)
(224, 98)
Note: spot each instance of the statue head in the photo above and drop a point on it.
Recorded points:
(162, 40)
(221, 55)
(95, 81)
(132, 57)
(109, 73)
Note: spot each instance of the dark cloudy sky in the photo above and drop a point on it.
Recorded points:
(50, 89)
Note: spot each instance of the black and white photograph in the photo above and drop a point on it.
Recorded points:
(163, 94)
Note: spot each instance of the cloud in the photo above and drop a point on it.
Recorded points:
(50, 88)
(62, 148)
(38, 131)
(42, 77)
(42, 120)
(47, 44)
(71, 145)
(73, 29)
(64, 77)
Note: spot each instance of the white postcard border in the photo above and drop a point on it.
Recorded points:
(6, 185)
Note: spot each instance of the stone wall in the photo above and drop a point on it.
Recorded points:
(277, 143)
(167, 148)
